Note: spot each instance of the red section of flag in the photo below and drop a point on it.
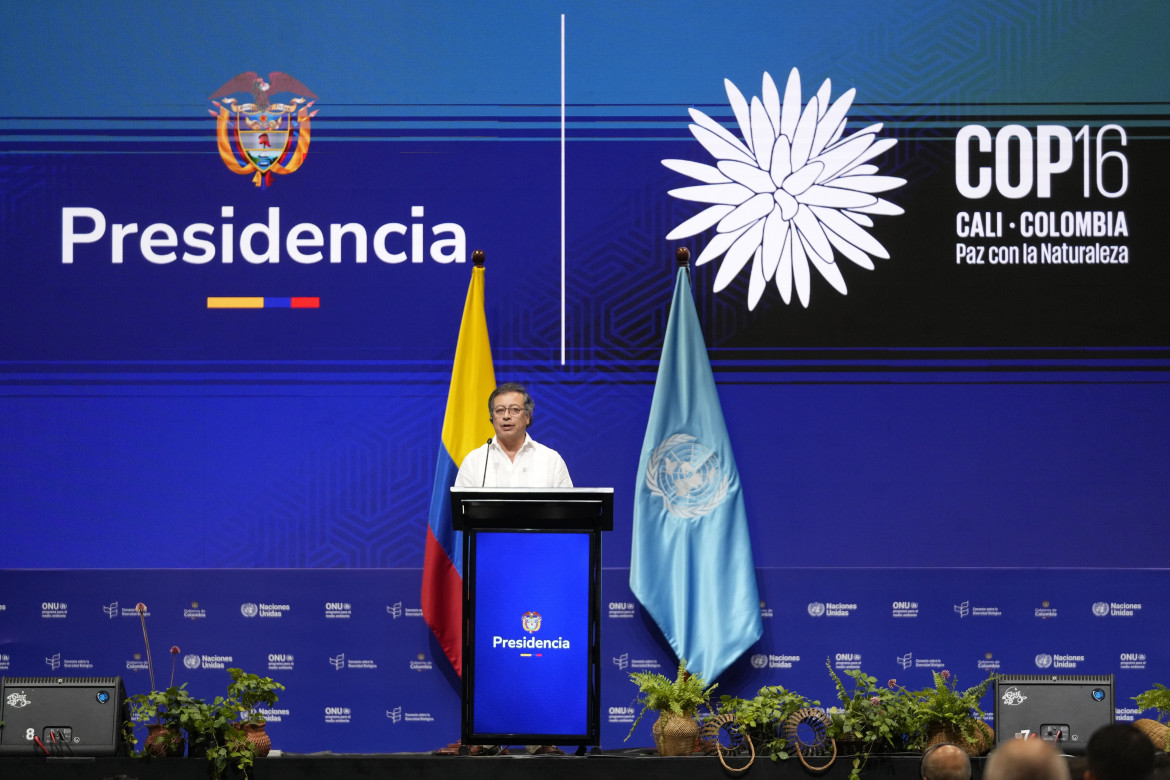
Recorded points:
(442, 601)
(305, 303)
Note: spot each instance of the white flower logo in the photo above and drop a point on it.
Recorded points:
(789, 193)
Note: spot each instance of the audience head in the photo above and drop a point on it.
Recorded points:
(1119, 751)
(1161, 766)
(945, 761)
(1025, 759)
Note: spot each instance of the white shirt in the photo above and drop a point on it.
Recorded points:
(535, 466)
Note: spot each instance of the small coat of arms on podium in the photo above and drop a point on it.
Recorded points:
(531, 622)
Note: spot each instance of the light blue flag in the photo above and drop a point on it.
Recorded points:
(691, 562)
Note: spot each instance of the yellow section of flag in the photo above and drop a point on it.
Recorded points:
(467, 423)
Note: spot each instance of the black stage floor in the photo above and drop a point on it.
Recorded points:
(412, 766)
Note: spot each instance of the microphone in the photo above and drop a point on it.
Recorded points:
(486, 455)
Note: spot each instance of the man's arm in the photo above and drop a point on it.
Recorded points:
(561, 477)
(471, 470)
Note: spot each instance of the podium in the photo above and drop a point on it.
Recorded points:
(531, 613)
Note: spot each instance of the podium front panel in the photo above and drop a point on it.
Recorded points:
(529, 624)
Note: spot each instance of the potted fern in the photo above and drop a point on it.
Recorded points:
(946, 714)
(677, 703)
(1156, 698)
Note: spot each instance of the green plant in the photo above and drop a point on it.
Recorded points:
(164, 708)
(683, 695)
(248, 691)
(215, 728)
(761, 717)
(161, 706)
(1156, 698)
(944, 705)
(871, 715)
(219, 727)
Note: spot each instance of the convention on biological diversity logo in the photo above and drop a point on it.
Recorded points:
(270, 137)
(792, 191)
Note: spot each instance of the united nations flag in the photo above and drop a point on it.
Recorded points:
(691, 560)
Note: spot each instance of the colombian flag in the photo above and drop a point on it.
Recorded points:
(466, 426)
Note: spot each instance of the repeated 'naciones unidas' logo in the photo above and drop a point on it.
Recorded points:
(270, 137)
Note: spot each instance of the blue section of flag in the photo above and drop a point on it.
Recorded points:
(691, 559)
(440, 513)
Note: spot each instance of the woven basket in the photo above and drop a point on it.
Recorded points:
(674, 734)
(258, 737)
(949, 732)
(163, 741)
(1157, 732)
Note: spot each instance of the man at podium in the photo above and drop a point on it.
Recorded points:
(512, 458)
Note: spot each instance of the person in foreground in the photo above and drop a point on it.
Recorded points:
(945, 761)
(512, 458)
(1026, 759)
(1118, 751)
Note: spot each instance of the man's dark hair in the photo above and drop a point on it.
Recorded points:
(1119, 751)
(512, 387)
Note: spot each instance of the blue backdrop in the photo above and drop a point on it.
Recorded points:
(982, 440)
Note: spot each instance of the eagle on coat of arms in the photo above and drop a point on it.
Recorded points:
(270, 136)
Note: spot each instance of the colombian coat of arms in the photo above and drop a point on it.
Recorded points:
(270, 136)
(531, 621)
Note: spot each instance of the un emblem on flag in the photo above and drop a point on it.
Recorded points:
(687, 476)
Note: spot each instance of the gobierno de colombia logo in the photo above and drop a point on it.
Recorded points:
(270, 137)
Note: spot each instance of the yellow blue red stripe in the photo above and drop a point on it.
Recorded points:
(253, 302)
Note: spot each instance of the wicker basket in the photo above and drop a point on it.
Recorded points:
(674, 734)
(1154, 730)
(949, 732)
(163, 741)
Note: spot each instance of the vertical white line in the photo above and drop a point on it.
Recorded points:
(562, 189)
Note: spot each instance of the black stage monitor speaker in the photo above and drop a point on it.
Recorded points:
(1063, 709)
(62, 716)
